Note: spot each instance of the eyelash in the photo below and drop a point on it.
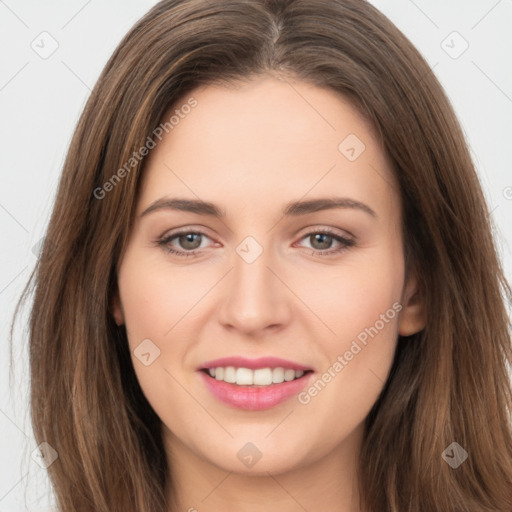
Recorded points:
(345, 242)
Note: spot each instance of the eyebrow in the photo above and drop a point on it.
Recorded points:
(292, 209)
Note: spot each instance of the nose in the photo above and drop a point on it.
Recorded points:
(256, 300)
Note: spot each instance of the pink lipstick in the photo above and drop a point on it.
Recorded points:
(254, 384)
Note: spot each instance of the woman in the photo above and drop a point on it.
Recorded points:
(190, 352)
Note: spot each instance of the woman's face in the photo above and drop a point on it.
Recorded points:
(238, 266)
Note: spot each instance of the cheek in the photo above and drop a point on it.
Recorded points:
(360, 305)
(365, 341)
(157, 303)
(353, 298)
(155, 297)
(162, 303)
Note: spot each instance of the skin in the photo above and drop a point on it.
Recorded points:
(251, 148)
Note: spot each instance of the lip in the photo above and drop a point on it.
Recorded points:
(254, 398)
(253, 364)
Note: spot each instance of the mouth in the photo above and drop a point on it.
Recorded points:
(255, 384)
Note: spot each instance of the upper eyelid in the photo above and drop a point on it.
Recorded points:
(185, 231)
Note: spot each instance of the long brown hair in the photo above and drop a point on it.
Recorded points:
(449, 383)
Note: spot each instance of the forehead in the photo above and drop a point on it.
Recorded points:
(268, 139)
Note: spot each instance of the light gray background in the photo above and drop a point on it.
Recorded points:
(41, 98)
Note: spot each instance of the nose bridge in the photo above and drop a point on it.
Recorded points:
(255, 299)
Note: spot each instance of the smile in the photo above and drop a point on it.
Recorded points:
(254, 384)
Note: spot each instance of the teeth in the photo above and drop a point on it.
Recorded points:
(244, 376)
(263, 377)
(259, 377)
(230, 374)
(278, 375)
(289, 375)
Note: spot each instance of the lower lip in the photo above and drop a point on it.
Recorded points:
(255, 398)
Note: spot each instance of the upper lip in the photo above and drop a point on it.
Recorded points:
(253, 364)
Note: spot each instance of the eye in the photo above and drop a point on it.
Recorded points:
(321, 242)
(189, 241)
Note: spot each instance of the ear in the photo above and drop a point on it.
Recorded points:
(117, 309)
(413, 316)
